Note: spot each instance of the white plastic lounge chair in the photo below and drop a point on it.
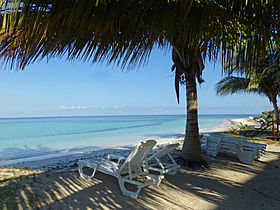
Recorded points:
(211, 144)
(246, 151)
(157, 163)
(135, 165)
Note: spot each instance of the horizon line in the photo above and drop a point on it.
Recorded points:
(121, 115)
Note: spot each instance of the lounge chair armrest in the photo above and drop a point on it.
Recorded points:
(117, 158)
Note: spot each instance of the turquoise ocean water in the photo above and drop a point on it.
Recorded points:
(30, 137)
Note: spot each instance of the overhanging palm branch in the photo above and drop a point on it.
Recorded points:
(126, 31)
(231, 85)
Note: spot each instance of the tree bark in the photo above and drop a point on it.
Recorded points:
(186, 73)
(191, 149)
(276, 111)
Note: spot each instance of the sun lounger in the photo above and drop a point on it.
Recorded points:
(159, 161)
(134, 166)
(162, 161)
(246, 151)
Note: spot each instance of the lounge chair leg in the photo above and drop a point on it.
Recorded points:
(158, 180)
(83, 175)
(172, 172)
(126, 192)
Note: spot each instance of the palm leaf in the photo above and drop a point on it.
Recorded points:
(125, 32)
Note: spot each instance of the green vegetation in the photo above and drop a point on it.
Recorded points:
(268, 117)
(125, 32)
(241, 134)
(243, 130)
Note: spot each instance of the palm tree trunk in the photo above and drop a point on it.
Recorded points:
(276, 111)
(191, 149)
(187, 74)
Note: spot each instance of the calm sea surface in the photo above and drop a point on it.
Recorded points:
(29, 137)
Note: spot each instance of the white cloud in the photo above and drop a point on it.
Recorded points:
(71, 108)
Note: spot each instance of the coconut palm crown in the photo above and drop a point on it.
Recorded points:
(125, 32)
(262, 79)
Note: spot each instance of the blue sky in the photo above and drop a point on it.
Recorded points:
(67, 88)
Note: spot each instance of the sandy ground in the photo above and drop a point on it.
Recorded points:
(235, 123)
(227, 184)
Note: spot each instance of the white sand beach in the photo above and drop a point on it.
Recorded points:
(244, 121)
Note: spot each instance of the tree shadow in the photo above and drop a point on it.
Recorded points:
(227, 184)
(230, 184)
(47, 190)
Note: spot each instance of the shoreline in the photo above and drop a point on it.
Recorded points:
(68, 161)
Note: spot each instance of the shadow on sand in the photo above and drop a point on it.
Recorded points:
(227, 184)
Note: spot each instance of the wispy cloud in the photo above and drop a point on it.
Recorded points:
(71, 108)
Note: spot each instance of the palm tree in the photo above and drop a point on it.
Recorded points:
(263, 79)
(126, 31)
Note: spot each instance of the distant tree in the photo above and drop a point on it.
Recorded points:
(126, 31)
(263, 78)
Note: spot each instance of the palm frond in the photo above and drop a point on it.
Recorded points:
(263, 78)
(124, 32)
(231, 85)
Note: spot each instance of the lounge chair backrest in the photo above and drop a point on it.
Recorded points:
(164, 151)
(134, 161)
